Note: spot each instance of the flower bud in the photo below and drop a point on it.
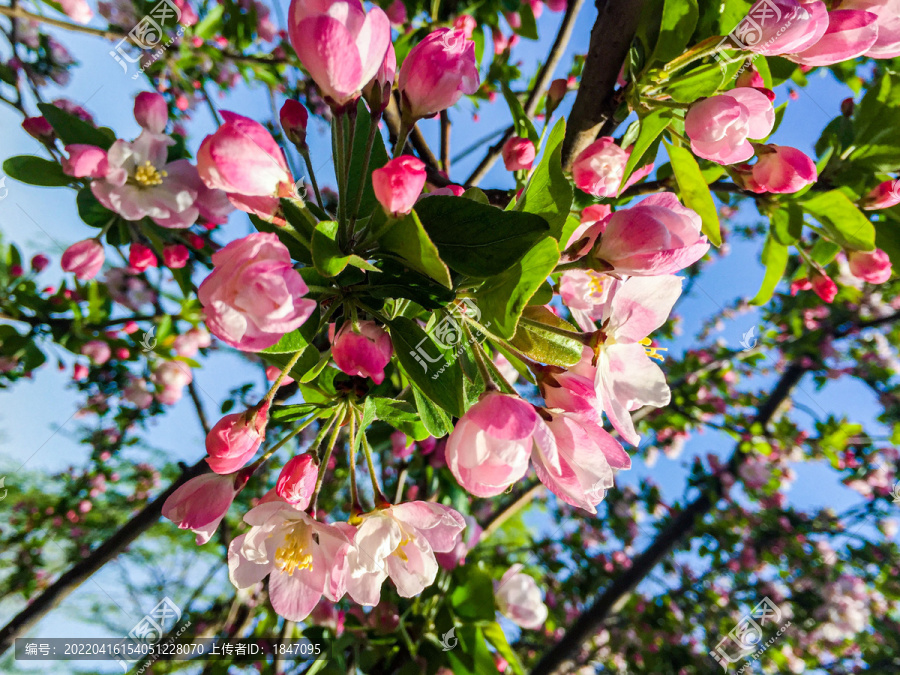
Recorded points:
(873, 267)
(437, 72)
(175, 256)
(235, 438)
(399, 183)
(363, 352)
(84, 259)
(294, 119)
(151, 112)
(297, 480)
(518, 154)
(141, 257)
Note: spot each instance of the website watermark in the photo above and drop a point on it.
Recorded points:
(448, 333)
(749, 33)
(745, 640)
(148, 35)
(153, 626)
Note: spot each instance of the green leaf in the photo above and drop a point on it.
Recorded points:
(887, 238)
(435, 420)
(503, 297)
(476, 239)
(288, 413)
(293, 342)
(701, 81)
(92, 211)
(528, 26)
(542, 345)
(36, 171)
(327, 256)
(679, 19)
(471, 656)
(71, 129)
(472, 597)
(787, 223)
(434, 369)
(775, 258)
(549, 193)
(494, 634)
(875, 121)
(651, 127)
(521, 122)
(378, 159)
(695, 192)
(843, 221)
(300, 219)
(401, 415)
(409, 241)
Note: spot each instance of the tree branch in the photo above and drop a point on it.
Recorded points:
(682, 524)
(545, 75)
(595, 102)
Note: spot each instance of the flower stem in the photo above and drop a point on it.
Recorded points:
(402, 135)
(323, 466)
(280, 444)
(284, 372)
(312, 178)
(380, 499)
(478, 351)
(367, 157)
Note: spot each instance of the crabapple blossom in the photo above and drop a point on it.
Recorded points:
(781, 170)
(97, 351)
(83, 258)
(600, 167)
(719, 127)
(235, 438)
(297, 480)
(363, 350)
(871, 266)
(886, 195)
(172, 377)
(518, 154)
(850, 33)
(887, 45)
(399, 183)
(201, 503)
(253, 295)
(519, 599)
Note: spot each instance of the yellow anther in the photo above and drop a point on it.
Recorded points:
(596, 284)
(148, 175)
(653, 352)
(294, 554)
(399, 552)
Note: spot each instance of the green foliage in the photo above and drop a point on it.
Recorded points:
(36, 171)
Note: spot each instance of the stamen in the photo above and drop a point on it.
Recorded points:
(653, 352)
(148, 175)
(293, 555)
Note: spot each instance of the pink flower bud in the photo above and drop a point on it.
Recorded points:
(38, 127)
(886, 195)
(83, 258)
(297, 480)
(519, 599)
(39, 262)
(750, 78)
(175, 256)
(399, 183)
(396, 12)
(823, 286)
(97, 351)
(339, 44)
(873, 267)
(437, 72)
(719, 127)
(151, 112)
(378, 91)
(801, 25)
(557, 92)
(15, 271)
(599, 168)
(85, 161)
(122, 353)
(782, 170)
(518, 154)
(254, 295)
(363, 352)
(466, 24)
(200, 504)
(887, 46)
(557, 5)
(850, 33)
(234, 440)
(141, 257)
(294, 119)
(242, 158)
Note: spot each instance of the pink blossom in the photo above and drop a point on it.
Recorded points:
(658, 236)
(253, 295)
(400, 542)
(584, 292)
(626, 376)
(519, 599)
(272, 373)
(592, 225)
(297, 480)
(850, 33)
(151, 112)
(581, 469)
(79, 371)
(173, 377)
(572, 390)
(339, 44)
(77, 10)
(189, 343)
(83, 258)
(39, 262)
(137, 393)
(363, 351)
(396, 12)
(518, 154)
(437, 72)
(873, 267)
(887, 46)
(719, 127)
(294, 120)
(557, 5)
(802, 24)
(781, 170)
(303, 558)
(85, 161)
(235, 438)
(490, 446)
(399, 183)
(242, 159)
(175, 256)
(466, 24)
(97, 351)
(38, 127)
(823, 286)
(600, 167)
(200, 504)
(141, 257)
(886, 195)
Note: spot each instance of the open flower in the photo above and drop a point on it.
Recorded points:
(303, 558)
(850, 33)
(200, 504)
(400, 542)
(519, 599)
(626, 376)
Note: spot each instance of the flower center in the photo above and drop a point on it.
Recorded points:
(399, 552)
(596, 283)
(653, 352)
(294, 554)
(148, 175)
